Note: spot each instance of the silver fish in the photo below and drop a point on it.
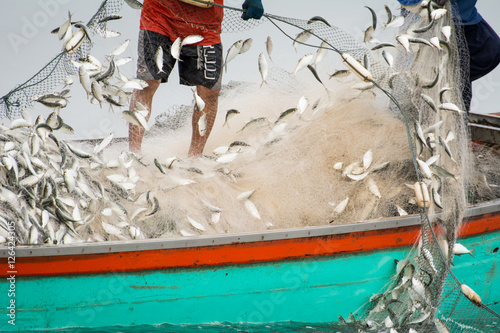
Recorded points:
(269, 46)
(134, 4)
(120, 49)
(302, 37)
(303, 62)
(175, 49)
(191, 39)
(229, 114)
(247, 43)
(159, 59)
(263, 68)
(233, 52)
(374, 17)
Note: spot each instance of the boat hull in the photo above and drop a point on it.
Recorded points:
(308, 275)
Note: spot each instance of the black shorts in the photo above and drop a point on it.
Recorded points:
(199, 65)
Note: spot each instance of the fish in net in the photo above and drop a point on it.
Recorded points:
(423, 88)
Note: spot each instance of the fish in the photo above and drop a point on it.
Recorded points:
(303, 62)
(367, 159)
(340, 73)
(252, 122)
(285, 113)
(374, 17)
(446, 31)
(436, 198)
(429, 102)
(195, 224)
(435, 42)
(64, 27)
(175, 49)
(122, 61)
(389, 59)
(420, 134)
(424, 168)
(436, 14)
(269, 47)
(459, 249)
(229, 114)
(85, 80)
(440, 171)
(339, 209)
(401, 211)
(160, 166)
(191, 39)
(199, 102)
(134, 4)
(202, 124)
(302, 105)
(381, 45)
(440, 326)
(318, 19)
(450, 107)
(368, 34)
(424, 28)
(97, 92)
(320, 54)
(247, 43)
(110, 18)
(120, 49)
(389, 14)
(447, 148)
(232, 52)
(263, 68)
(159, 59)
(110, 33)
(302, 37)
(397, 22)
(104, 143)
(315, 74)
(372, 186)
(404, 41)
(252, 209)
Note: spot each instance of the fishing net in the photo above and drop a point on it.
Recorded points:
(295, 150)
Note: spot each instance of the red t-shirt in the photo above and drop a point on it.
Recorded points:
(174, 18)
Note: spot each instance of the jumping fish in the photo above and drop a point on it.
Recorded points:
(374, 17)
(199, 102)
(263, 69)
(302, 37)
(318, 19)
(233, 52)
(269, 46)
(247, 43)
(191, 39)
(229, 114)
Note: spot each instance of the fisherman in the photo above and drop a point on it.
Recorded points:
(483, 44)
(200, 64)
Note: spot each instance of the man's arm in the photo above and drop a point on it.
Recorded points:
(253, 9)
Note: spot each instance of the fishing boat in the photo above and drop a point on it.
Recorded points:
(309, 275)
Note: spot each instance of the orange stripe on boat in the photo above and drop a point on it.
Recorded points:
(237, 253)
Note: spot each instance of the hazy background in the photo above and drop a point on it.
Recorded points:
(27, 46)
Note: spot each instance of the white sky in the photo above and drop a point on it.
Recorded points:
(18, 62)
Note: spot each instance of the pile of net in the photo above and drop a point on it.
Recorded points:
(386, 136)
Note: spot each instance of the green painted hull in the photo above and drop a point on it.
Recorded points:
(313, 290)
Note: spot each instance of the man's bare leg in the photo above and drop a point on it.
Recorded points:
(211, 98)
(145, 97)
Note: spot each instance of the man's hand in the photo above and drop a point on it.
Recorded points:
(253, 9)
